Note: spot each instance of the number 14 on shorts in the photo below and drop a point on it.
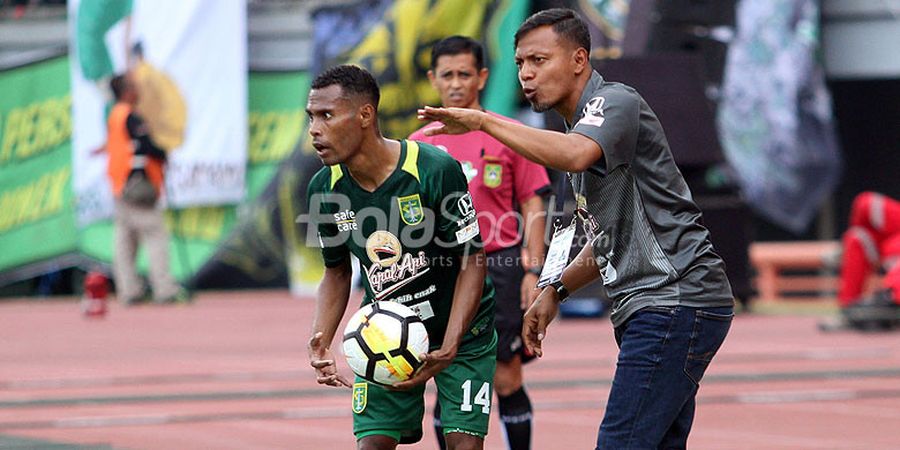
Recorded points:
(482, 397)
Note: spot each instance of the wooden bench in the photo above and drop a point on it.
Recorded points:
(770, 259)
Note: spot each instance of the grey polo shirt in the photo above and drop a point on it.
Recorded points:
(637, 211)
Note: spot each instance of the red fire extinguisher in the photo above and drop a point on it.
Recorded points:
(96, 288)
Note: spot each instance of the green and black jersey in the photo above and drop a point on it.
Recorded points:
(410, 235)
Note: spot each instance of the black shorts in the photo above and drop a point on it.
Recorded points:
(505, 270)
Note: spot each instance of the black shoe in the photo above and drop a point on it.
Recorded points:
(877, 312)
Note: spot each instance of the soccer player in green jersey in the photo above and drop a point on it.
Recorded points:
(403, 209)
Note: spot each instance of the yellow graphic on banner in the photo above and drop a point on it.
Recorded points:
(398, 53)
(34, 201)
(35, 129)
(274, 134)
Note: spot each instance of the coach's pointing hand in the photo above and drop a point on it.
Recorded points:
(321, 358)
(541, 313)
(454, 120)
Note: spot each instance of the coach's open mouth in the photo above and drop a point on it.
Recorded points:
(529, 93)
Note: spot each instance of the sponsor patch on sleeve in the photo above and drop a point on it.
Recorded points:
(593, 113)
(467, 233)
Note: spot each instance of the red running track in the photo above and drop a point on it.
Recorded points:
(230, 372)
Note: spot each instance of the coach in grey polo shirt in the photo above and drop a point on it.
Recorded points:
(672, 301)
(638, 214)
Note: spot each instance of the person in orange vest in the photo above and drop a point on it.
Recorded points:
(133, 154)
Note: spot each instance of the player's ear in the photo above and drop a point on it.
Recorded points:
(367, 115)
(482, 77)
(581, 60)
(431, 78)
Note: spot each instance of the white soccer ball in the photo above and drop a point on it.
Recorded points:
(383, 341)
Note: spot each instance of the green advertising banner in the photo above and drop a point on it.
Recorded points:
(37, 220)
(37, 216)
(277, 103)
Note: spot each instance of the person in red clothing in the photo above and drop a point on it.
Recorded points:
(501, 182)
(871, 243)
(131, 149)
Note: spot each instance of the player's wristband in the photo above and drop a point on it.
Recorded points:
(534, 270)
(561, 291)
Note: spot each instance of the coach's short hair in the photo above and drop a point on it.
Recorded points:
(353, 80)
(455, 45)
(565, 22)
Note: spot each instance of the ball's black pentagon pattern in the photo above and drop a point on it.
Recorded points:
(372, 357)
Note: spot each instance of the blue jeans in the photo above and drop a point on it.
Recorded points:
(663, 353)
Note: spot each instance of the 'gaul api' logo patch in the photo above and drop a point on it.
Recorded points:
(360, 397)
(411, 209)
(493, 175)
(383, 248)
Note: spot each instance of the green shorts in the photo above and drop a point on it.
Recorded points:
(465, 390)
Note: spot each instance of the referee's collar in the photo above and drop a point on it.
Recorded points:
(587, 94)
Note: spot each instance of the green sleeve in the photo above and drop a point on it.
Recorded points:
(322, 207)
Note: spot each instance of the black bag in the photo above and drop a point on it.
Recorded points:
(138, 190)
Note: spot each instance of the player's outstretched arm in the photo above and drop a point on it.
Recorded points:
(466, 300)
(569, 152)
(331, 302)
(581, 271)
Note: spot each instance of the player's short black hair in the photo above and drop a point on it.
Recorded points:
(353, 80)
(565, 22)
(118, 84)
(455, 45)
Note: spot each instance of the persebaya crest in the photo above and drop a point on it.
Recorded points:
(411, 209)
(360, 397)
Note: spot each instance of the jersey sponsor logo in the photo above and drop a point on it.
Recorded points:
(609, 274)
(469, 171)
(593, 113)
(607, 271)
(411, 209)
(384, 281)
(383, 248)
(391, 269)
(423, 309)
(345, 220)
(493, 175)
(466, 206)
(425, 292)
(467, 233)
(360, 397)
